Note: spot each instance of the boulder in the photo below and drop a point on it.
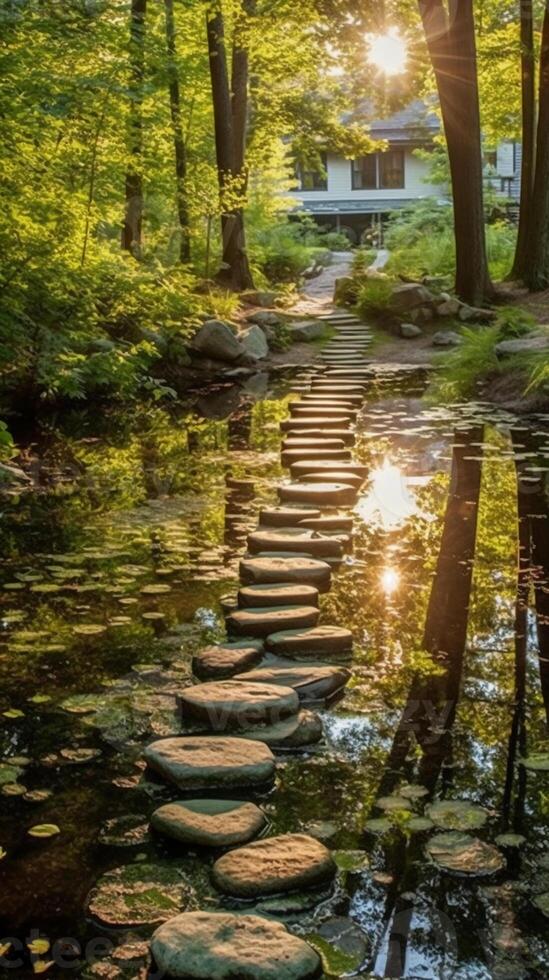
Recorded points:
(410, 330)
(265, 318)
(325, 494)
(260, 297)
(296, 732)
(306, 331)
(448, 307)
(311, 683)
(217, 340)
(222, 946)
(446, 338)
(318, 642)
(266, 571)
(467, 313)
(209, 823)
(274, 865)
(211, 762)
(537, 344)
(260, 621)
(408, 296)
(254, 342)
(231, 704)
(277, 594)
(344, 290)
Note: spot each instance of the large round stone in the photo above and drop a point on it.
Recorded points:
(296, 732)
(225, 659)
(266, 571)
(297, 431)
(278, 594)
(290, 456)
(311, 683)
(211, 762)
(262, 621)
(336, 476)
(238, 704)
(286, 516)
(294, 539)
(313, 412)
(273, 865)
(320, 641)
(353, 401)
(223, 946)
(325, 494)
(209, 823)
(301, 469)
(318, 422)
(312, 442)
(338, 522)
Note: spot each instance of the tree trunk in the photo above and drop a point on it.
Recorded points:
(537, 272)
(450, 34)
(236, 270)
(178, 138)
(528, 69)
(132, 230)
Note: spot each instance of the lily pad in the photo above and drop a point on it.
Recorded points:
(140, 895)
(37, 795)
(510, 840)
(351, 860)
(126, 831)
(457, 815)
(89, 629)
(412, 791)
(464, 854)
(537, 762)
(13, 789)
(79, 756)
(44, 830)
(378, 825)
(157, 588)
(9, 773)
(389, 803)
(419, 824)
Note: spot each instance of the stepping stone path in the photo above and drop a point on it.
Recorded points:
(256, 685)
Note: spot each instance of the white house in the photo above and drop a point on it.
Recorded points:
(355, 195)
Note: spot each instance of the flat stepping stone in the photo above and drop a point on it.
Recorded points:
(336, 523)
(278, 594)
(318, 422)
(223, 946)
(211, 762)
(225, 659)
(355, 482)
(293, 539)
(296, 732)
(286, 516)
(262, 620)
(325, 494)
(209, 823)
(237, 704)
(320, 641)
(346, 436)
(266, 571)
(311, 683)
(311, 442)
(353, 401)
(273, 865)
(289, 456)
(314, 411)
(318, 465)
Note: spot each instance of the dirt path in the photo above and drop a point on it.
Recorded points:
(317, 294)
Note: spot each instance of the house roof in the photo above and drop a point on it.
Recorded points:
(364, 206)
(415, 123)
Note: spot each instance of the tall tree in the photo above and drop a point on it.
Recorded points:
(236, 270)
(450, 33)
(528, 72)
(178, 138)
(132, 230)
(536, 273)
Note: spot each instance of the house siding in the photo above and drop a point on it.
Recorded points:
(340, 187)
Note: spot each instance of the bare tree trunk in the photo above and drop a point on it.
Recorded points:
(178, 138)
(450, 33)
(528, 69)
(236, 269)
(537, 271)
(132, 230)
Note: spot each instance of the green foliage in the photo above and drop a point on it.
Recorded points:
(463, 366)
(512, 322)
(284, 249)
(362, 260)
(7, 446)
(373, 297)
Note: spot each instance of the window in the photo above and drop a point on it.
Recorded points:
(313, 180)
(391, 169)
(379, 171)
(365, 173)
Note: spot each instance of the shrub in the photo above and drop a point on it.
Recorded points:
(373, 297)
(514, 322)
(463, 366)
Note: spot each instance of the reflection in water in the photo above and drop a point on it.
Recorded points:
(389, 502)
(430, 710)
